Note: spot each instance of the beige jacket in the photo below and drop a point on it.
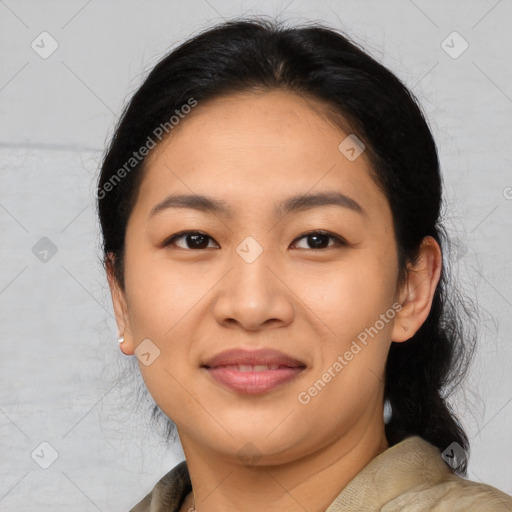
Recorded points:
(410, 476)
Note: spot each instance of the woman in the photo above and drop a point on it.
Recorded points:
(272, 353)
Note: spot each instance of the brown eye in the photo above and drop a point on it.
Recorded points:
(320, 240)
(192, 240)
(196, 240)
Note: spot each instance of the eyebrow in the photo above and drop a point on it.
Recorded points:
(294, 203)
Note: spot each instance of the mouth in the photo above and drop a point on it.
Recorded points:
(253, 372)
(252, 367)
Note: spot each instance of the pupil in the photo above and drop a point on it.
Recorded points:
(318, 243)
(195, 238)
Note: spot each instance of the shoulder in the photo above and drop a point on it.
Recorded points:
(439, 489)
(451, 494)
(412, 476)
(168, 493)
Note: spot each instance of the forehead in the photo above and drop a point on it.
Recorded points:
(257, 145)
(271, 120)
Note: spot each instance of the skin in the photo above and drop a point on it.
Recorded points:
(253, 151)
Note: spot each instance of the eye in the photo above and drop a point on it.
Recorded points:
(194, 240)
(319, 239)
(197, 240)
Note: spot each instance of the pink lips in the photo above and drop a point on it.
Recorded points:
(254, 371)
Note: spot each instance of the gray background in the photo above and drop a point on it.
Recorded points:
(59, 353)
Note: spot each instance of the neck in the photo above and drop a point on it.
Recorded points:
(310, 483)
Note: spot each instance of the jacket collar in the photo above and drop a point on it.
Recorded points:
(412, 463)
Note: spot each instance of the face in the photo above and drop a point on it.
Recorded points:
(315, 281)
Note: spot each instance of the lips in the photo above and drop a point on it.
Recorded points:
(253, 368)
(253, 372)
(254, 358)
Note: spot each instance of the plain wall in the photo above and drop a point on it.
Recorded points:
(57, 331)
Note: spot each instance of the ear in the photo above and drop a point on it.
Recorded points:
(120, 307)
(417, 293)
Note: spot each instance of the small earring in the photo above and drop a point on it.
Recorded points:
(120, 340)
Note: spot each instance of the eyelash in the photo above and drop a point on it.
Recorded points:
(339, 241)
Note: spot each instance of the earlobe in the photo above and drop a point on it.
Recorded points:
(120, 309)
(418, 291)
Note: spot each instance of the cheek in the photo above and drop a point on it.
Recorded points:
(159, 295)
(161, 309)
(354, 336)
(351, 295)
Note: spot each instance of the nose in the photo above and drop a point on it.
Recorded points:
(253, 295)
